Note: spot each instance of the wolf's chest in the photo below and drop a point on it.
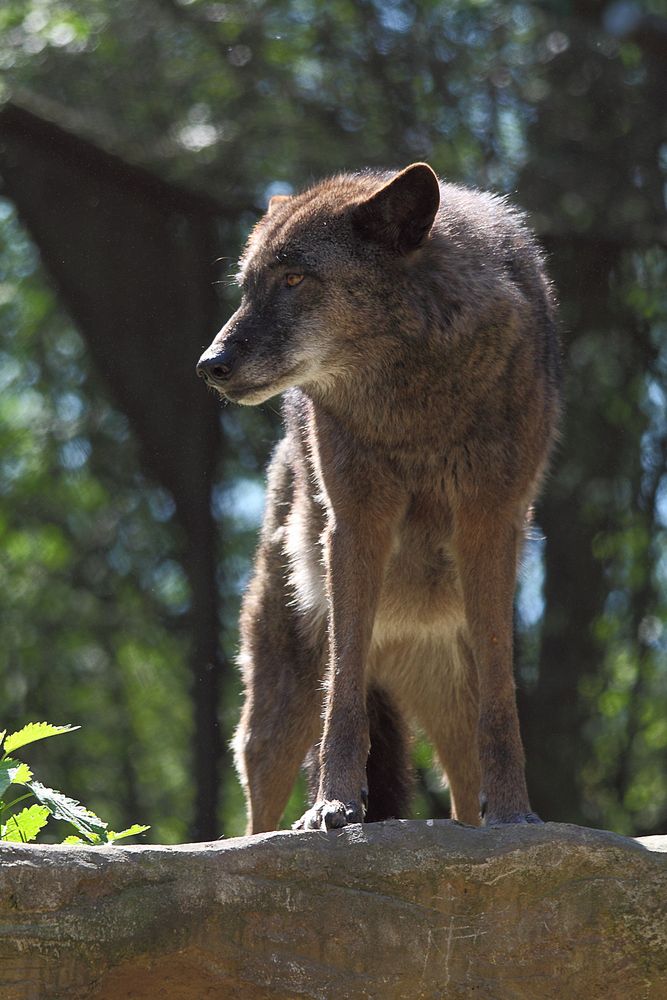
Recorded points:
(421, 586)
(420, 589)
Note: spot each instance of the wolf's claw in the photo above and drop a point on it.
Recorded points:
(330, 815)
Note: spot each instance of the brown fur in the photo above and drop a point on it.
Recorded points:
(422, 362)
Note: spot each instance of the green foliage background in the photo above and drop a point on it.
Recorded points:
(560, 103)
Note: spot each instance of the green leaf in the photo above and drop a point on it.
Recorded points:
(13, 771)
(2, 736)
(62, 807)
(34, 731)
(131, 831)
(25, 825)
(72, 840)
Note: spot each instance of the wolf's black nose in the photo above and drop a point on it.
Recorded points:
(217, 368)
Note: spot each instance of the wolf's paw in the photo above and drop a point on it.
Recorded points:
(330, 814)
(521, 818)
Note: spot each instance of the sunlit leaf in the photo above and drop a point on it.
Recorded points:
(69, 810)
(25, 825)
(33, 732)
(13, 772)
(131, 831)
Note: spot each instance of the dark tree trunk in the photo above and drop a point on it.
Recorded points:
(133, 259)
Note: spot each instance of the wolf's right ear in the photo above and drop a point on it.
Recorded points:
(275, 200)
(400, 214)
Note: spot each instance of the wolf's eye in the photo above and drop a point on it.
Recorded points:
(291, 280)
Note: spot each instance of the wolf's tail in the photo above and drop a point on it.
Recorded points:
(388, 767)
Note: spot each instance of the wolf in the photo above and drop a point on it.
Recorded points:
(411, 325)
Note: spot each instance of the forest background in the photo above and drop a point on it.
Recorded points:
(138, 144)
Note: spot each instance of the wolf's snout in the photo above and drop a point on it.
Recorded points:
(217, 368)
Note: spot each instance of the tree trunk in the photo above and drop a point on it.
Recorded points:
(133, 259)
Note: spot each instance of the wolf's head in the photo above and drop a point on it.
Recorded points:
(318, 274)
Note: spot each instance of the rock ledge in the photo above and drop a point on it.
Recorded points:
(405, 909)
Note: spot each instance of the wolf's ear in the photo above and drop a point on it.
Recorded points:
(400, 214)
(275, 200)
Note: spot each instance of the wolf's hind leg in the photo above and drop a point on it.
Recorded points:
(282, 656)
(450, 721)
(279, 722)
(460, 763)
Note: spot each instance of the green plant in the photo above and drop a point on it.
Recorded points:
(24, 825)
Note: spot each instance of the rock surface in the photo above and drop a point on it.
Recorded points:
(404, 909)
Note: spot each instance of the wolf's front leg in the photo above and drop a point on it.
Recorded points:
(357, 544)
(355, 557)
(487, 547)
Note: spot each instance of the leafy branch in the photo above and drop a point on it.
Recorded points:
(24, 826)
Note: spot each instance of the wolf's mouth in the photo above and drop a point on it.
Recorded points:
(236, 393)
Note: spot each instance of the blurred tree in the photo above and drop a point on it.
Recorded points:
(564, 102)
(596, 180)
(132, 259)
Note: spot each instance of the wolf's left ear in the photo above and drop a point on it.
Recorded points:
(400, 214)
(275, 200)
